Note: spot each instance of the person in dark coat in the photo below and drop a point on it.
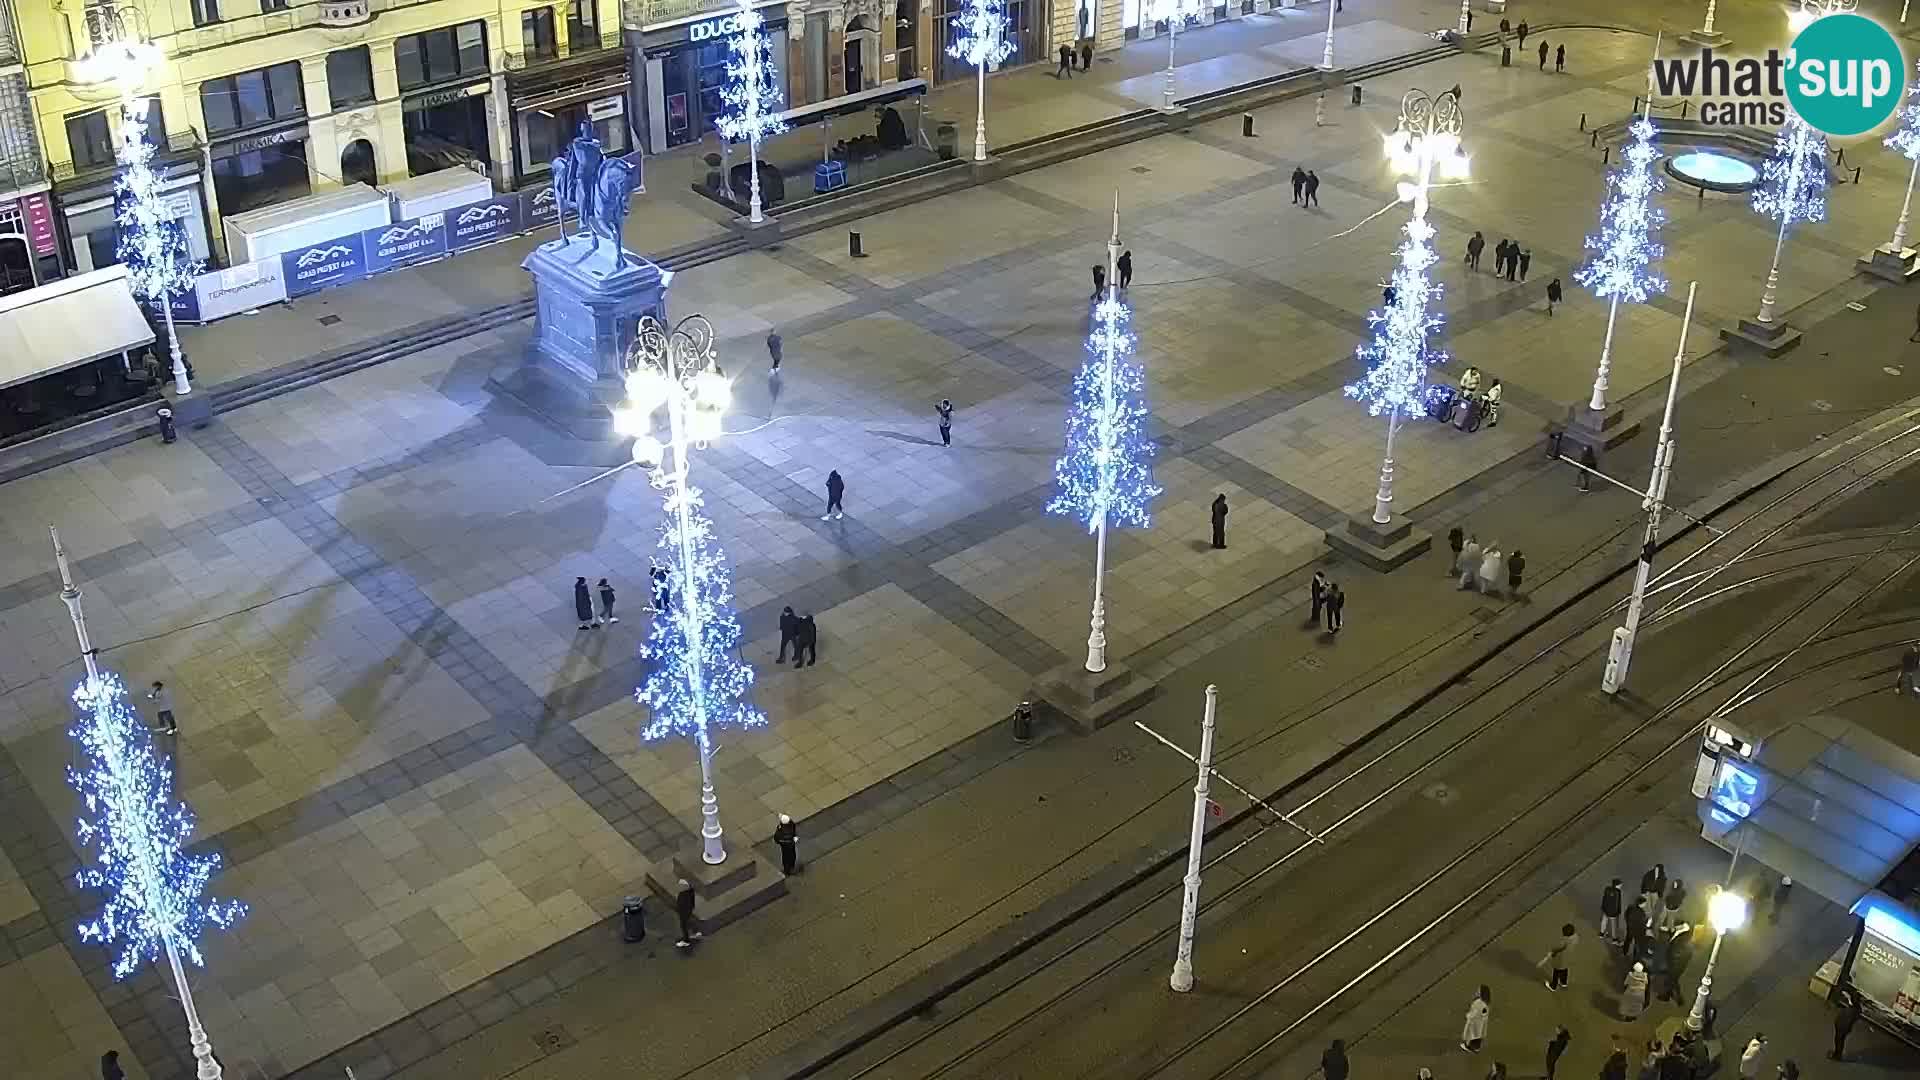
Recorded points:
(806, 636)
(583, 604)
(1521, 32)
(1099, 281)
(657, 582)
(1299, 184)
(1313, 188)
(1843, 1021)
(1333, 1061)
(1388, 294)
(1589, 461)
(786, 837)
(1616, 1066)
(1220, 522)
(1066, 63)
(1610, 900)
(1086, 54)
(1543, 56)
(606, 602)
(1679, 956)
(1475, 245)
(1500, 258)
(1526, 260)
(945, 409)
(110, 1066)
(1555, 1047)
(1516, 566)
(1125, 266)
(1553, 295)
(1319, 588)
(774, 348)
(1676, 897)
(1653, 883)
(1456, 539)
(1336, 608)
(1635, 942)
(1909, 680)
(789, 634)
(836, 487)
(683, 907)
(1560, 59)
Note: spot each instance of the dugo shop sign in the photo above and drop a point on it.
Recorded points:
(714, 29)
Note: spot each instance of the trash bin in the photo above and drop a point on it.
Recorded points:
(946, 141)
(1356, 93)
(168, 432)
(633, 919)
(1023, 721)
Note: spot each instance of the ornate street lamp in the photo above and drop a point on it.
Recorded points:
(1726, 911)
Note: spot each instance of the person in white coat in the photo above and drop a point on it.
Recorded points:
(1750, 1058)
(1493, 565)
(1469, 562)
(1474, 1031)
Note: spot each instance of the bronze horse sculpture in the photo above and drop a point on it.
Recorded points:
(598, 191)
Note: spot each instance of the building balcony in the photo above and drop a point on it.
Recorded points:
(577, 52)
(342, 13)
(182, 146)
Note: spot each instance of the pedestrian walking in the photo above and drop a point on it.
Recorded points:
(1300, 188)
(1456, 539)
(1475, 245)
(606, 603)
(774, 347)
(1633, 993)
(1750, 1057)
(1220, 521)
(1789, 1070)
(1313, 188)
(1125, 265)
(945, 409)
(1553, 295)
(1679, 958)
(1318, 587)
(1516, 567)
(1587, 461)
(1492, 566)
(1555, 1047)
(1086, 54)
(786, 837)
(1388, 294)
(1543, 56)
(1469, 20)
(1469, 562)
(1513, 259)
(1497, 1071)
(1670, 908)
(1333, 1060)
(110, 1066)
(583, 604)
(836, 488)
(806, 639)
(789, 634)
(657, 582)
(1099, 281)
(1559, 956)
(1521, 32)
(1843, 1021)
(1909, 681)
(1500, 258)
(1065, 57)
(1610, 927)
(162, 699)
(1526, 260)
(683, 907)
(1336, 608)
(1653, 885)
(1560, 60)
(1634, 944)
(1474, 1031)
(1616, 1066)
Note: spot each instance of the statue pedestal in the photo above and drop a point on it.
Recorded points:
(586, 312)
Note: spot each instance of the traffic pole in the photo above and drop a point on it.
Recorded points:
(1182, 979)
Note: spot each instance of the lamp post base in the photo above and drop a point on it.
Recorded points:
(1601, 429)
(1701, 39)
(1381, 547)
(1769, 339)
(726, 891)
(1889, 264)
(1093, 699)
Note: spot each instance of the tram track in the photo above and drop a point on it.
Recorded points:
(1259, 829)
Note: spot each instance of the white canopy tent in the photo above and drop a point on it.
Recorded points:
(67, 323)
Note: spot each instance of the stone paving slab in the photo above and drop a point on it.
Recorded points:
(51, 1025)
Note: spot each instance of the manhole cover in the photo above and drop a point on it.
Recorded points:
(553, 1040)
(1439, 793)
(329, 320)
(1892, 371)
(1312, 661)
(1822, 404)
(1142, 169)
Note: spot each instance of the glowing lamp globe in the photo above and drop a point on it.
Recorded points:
(647, 451)
(712, 389)
(646, 390)
(1455, 167)
(1727, 911)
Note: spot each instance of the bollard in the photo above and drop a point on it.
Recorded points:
(1684, 106)
(1606, 155)
(1856, 174)
(1595, 141)
(633, 920)
(1506, 56)
(1840, 156)
(1023, 721)
(1246, 125)
(1356, 93)
(168, 432)
(1583, 121)
(853, 245)
(1702, 196)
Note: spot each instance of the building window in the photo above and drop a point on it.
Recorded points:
(156, 121)
(350, 76)
(205, 12)
(536, 32)
(452, 52)
(91, 142)
(583, 25)
(274, 5)
(253, 98)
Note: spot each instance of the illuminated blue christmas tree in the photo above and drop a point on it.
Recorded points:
(1906, 143)
(1793, 189)
(1397, 357)
(751, 95)
(137, 833)
(1624, 249)
(151, 245)
(980, 38)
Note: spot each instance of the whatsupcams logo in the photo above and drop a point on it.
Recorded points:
(1844, 75)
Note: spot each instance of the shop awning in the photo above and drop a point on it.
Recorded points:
(854, 103)
(67, 323)
(1824, 801)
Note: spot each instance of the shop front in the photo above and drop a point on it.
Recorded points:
(93, 229)
(1024, 20)
(446, 127)
(26, 237)
(549, 107)
(260, 168)
(685, 72)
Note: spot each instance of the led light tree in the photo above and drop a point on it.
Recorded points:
(1793, 189)
(151, 244)
(980, 38)
(1397, 357)
(135, 834)
(1906, 143)
(1105, 475)
(1624, 248)
(696, 682)
(751, 96)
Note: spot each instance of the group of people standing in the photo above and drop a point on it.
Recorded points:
(1328, 599)
(1510, 260)
(1480, 567)
(1306, 188)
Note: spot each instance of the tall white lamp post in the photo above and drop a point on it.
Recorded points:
(980, 38)
(1726, 911)
(1326, 64)
(1426, 139)
(1182, 977)
(1894, 259)
(1625, 248)
(696, 681)
(1176, 16)
(752, 96)
(1466, 17)
(1706, 36)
